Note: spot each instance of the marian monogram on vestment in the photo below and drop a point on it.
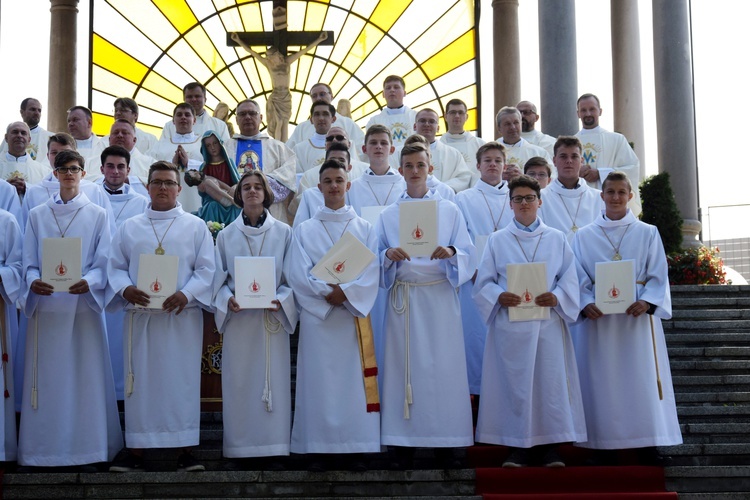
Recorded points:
(400, 131)
(591, 153)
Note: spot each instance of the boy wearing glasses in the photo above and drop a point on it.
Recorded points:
(162, 346)
(530, 398)
(69, 412)
(539, 169)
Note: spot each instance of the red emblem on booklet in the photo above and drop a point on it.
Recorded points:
(339, 267)
(614, 292)
(254, 287)
(155, 286)
(417, 234)
(61, 270)
(526, 297)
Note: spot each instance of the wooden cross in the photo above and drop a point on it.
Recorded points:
(279, 37)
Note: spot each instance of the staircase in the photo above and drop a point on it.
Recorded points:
(709, 347)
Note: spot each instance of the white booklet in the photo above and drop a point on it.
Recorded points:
(614, 286)
(255, 282)
(61, 262)
(418, 227)
(344, 262)
(528, 281)
(157, 276)
(372, 214)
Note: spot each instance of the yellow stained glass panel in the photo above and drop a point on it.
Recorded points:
(179, 13)
(117, 61)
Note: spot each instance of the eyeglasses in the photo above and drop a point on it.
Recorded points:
(529, 198)
(251, 114)
(158, 183)
(65, 170)
(527, 111)
(537, 175)
(425, 121)
(339, 138)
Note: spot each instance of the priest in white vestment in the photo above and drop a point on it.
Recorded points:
(255, 365)
(456, 115)
(162, 346)
(622, 358)
(11, 287)
(80, 122)
(425, 389)
(569, 203)
(311, 151)
(486, 209)
(605, 151)
(529, 118)
(252, 149)
(333, 413)
(517, 150)
(194, 94)
(69, 413)
(16, 165)
(127, 109)
(31, 113)
(448, 166)
(534, 399)
(397, 116)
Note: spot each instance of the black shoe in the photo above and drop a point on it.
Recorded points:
(401, 457)
(186, 463)
(518, 457)
(552, 459)
(87, 468)
(447, 459)
(126, 461)
(650, 456)
(604, 458)
(316, 466)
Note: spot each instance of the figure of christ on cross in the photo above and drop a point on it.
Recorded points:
(277, 62)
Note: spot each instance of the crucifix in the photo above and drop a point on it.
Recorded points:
(277, 61)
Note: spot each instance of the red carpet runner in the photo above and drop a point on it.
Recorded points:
(574, 482)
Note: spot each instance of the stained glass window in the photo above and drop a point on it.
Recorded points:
(149, 49)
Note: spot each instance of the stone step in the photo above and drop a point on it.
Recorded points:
(711, 302)
(738, 366)
(709, 290)
(717, 353)
(714, 496)
(690, 482)
(707, 338)
(741, 325)
(712, 397)
(715, 433)
(701, 411)
(458, 484)
(710, 314)
(707, 383)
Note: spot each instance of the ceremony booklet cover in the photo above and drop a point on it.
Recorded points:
(614, 286)
(344, 262)
(418, 227)
(372, 214)
(157, 276)
(61, 262)
(255, 282)
(528, 281)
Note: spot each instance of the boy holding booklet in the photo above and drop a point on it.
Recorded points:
(530, 398)
(69, 411)
(334, 413)
(256, 373)
(162, 344)
(425, 388)
(625, 377)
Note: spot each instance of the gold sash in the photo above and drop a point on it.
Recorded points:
(369, 364)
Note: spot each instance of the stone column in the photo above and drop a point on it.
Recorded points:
(558, 67)
(626, 75)
(62, 63)
(675, 112)
(507, 54)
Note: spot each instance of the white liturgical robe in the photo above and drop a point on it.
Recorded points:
(10, 289)
(607, 151)
(144, 141)
(616, 351)
(522, 151)
(568, 210)
(163, 350)
(534, 397)
(32, 171)
(37, 147)
(424, 349)
(203, 123)
(486, 209)
(255, 363)
(69, 412)
(449, 166)
(9, 202)
(306, 129)
(537, 138)
(401, 122)
(467, 144)
(330, 413)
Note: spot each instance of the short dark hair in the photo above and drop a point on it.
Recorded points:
(394, 78)
(490, 145)
(163, 165)
(524, 181)
(193, 85)
(267, 192)
(586, 96)
(415, 146)
(567, 140)
(67, 156)
(127, 102)
(537, 161)
(329, 164)
(115, 151)
(86, 111)
(25, 102)
(456, 102)
(321, 84)
(337, 146)
(63, 138)
(123, 120)
(184, 105)
(378, 129)
(330, 107)
(616, 176)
